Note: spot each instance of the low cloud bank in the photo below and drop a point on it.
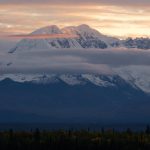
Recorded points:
(73, 60)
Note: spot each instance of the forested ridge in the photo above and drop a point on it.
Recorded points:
(75, 140)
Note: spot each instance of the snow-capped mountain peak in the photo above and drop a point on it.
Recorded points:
(84, 26)
(88, 30)
(83, 30)
(53, 29)
(85, 37)
(90, 35)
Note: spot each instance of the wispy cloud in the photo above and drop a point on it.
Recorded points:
(42, 36)
(108, 2)
(109, 17)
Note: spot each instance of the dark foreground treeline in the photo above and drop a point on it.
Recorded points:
(75, 140)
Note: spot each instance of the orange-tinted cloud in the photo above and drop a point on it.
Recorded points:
(42, 36)
(115, 20)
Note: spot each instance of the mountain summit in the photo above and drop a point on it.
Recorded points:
(53, 29)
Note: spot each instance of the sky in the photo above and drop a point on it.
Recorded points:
(120, 18)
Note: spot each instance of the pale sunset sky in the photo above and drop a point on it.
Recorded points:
(121, 18)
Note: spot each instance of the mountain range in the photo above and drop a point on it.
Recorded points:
(35, 85)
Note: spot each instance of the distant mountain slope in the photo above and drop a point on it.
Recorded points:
(62, 102)
(140, 43)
